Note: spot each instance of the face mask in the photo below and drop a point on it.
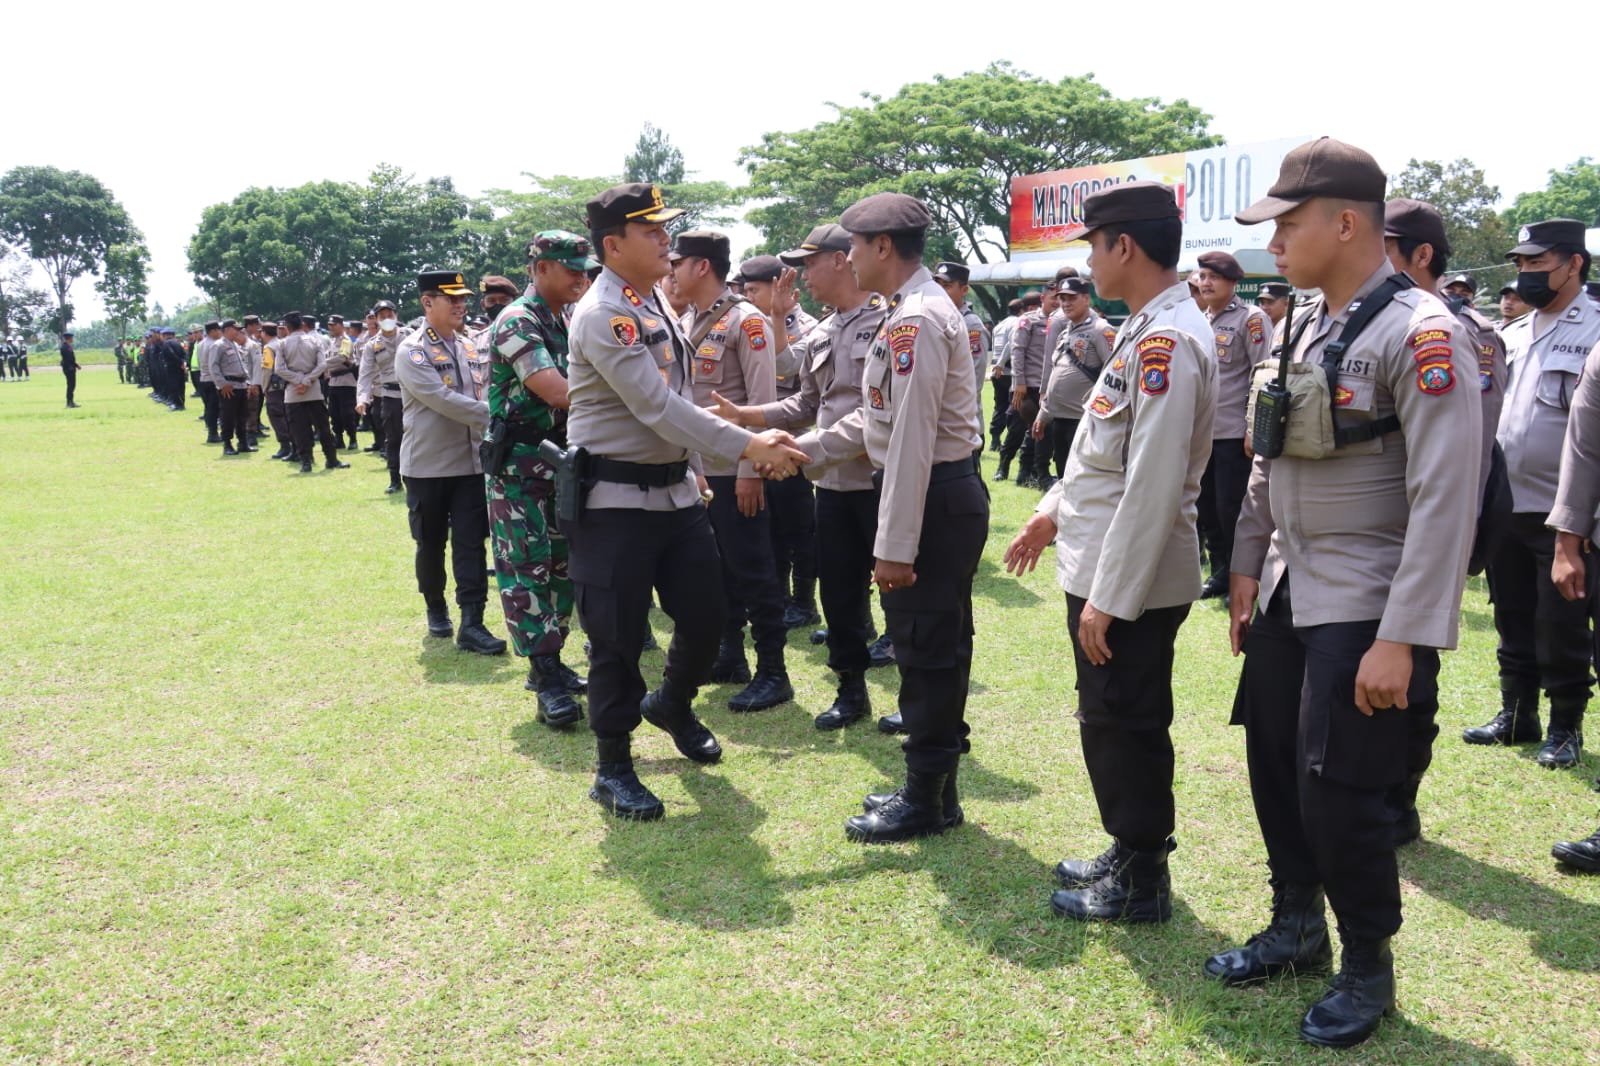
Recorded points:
(1534, 288)
(1455, 302)
(388, 325)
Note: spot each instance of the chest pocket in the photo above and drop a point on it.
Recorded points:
(877, 377)
(708, 361)
(1108, 415)
(1225, 339)
(1558, 377)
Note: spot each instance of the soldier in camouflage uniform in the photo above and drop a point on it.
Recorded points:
(527, 403)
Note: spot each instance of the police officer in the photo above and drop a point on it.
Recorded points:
(832, 359)
(378, 384)
(300, 362)
(230, 373)
(273, 387)
(1243, 336)
(69, 367)
(1274, 300)
(635, 424)
(495, 294)
(1080, 354)
(733, 359)
(1000, 372)
(120, 352)
(1544, 638)
(204, 340)
(1123, 518)
(340, 376)
(442, 384)
(252, 353)
(955, 279)
(176, 359)
(528, 404)
(919, 426)
(1358, 558)
(1027, 334)
(1512, 306)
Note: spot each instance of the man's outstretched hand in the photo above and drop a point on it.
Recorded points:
(774, 454)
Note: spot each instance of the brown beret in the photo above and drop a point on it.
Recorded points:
(1323, 167)
(1415, 220)
(496, 283)
(887, 212)
(1132, 201)
(1222, 263)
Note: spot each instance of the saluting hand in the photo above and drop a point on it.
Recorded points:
(1024, 552)
(1242, 594)
(1383, 677)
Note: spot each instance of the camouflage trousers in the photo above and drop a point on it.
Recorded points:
(530, 563)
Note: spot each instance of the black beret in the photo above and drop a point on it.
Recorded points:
(634, 201)
(956, 273)
(761, 268)
(1323, 167)
(1222, 263)
(702, 244)
(1132, 201)
(1415, 220)
(887, 212)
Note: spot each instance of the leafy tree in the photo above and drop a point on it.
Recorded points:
(956, 143)
(1478, 237)
(21, 305)
(125, 284)
(655, 159)
(1572, 193)
(67, 221)
(406, 226)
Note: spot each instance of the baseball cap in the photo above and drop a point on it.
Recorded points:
(1323, 167)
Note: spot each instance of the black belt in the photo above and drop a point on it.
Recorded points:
(644, 475)
(392, 387)
(233, 380)
(957, 468)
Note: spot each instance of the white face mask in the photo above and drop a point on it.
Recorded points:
(388, 325)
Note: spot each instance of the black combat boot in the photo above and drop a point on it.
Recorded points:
(557, 708)
(473, 637)
(576, 683)
(1579, 854)
(213, 439)
(1361, 993)
(439, 620)
(305, 466)
(228, 449)
(1402, 803)
(1003, 471)
(881, 652)
(1294, 942)
(1137, 888)
(1563, 745)
(1075, 873)
(669, 709)
(798, 614)
(616, 786)
(394, 485)
(915, 810)
(334, 464)
(281, 453)
(949, 801)
(730, 667)
(1217, 584)
(1518, 720)
(851, 704)
(768, 688)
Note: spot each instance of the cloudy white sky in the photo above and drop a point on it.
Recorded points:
(182, 106)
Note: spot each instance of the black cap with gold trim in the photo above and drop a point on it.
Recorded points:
(634, 201)
(449, 282)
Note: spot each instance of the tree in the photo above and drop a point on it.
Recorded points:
(1572, 193)
(21, 305)
(274, 250)
(655, 159)
(125, 286)
(406, 226)
(1478, 236)
(956, 143)
(66, 219)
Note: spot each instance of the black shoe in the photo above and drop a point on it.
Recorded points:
(1216, 585)
(305, 466)
(213, 439)
(949, 801)
(557, 708)
(372, 448)
(797, 614)
(730, 666)
(281, 453)
(394, 487)
(917, 810)
(892, 724)
(334, 464)
(1294, 942)
(576, 684)
(1579, 854)
(1137, 889)
(670, 712)
(1075, 873)
(228, 449)
(617, 788)
(850, 705)
(473, 636)
(1517, 722)
(819, 636)
(439, 623)
(768, 688)
(1361, 994)
(881, 651)
(1002, 472)
(243, 448)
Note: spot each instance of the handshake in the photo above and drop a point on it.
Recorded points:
(773, 452)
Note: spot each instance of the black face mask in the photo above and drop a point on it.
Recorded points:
(1455, 301)
(1534, 288)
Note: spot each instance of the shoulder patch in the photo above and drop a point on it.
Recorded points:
(418, 358)
(1253, 326)
(625, 330)
(1423, 338)
(1155, 363)
(757, 332)
(1109, 334)
(631, 296)
(902, 341)
(1435, 378)
(1158, 347)
(1153, 378)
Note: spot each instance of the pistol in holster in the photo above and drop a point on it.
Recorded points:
(494, 446)
(571, 467)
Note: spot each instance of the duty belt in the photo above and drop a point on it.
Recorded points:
(234, 380)
(938, 472)
(644, 475)
(391, 386)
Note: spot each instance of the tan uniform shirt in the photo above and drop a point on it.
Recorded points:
(977, 343)
(377, 366)
(796, 324)
(266, 368)
(1125, 506)
(1028, 353)
(342, 366)
(1080, 354)
(1491, 351)
(835, 355)
(1577, 506)
(920, 408)
(1243, 336)
(443, 384)
(229, 364)
(1544, 361)
(734, 360)
(300, 362)
(1382, 529)
(629, 380)
(202, 359)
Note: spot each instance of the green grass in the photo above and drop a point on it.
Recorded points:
(248, 812)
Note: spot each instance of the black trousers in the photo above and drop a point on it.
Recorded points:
(749, 573)
(452, 508)
(71, 374)
(304, 417)
(1054, 446)
(278, 418)
(375, 421)
(1544, 639)
(342, 411)
(617, 556)
(233, 413)
(256, 403)
(394, 431)
(847, 525)
(1002, 405)
(793, 505)
(1320, 770)
(210, 402)
(930, 623)
(1125, 720)
(179, 382)
(1221, 496)
(1020, 435)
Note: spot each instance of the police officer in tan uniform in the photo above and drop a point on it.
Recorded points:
(919, 427)
(1081, 353)
(955, 279)
(643, 523)
(1123, 519)
(378, 384)
(300, 363)
(1358, 559)
(443, 384)
(272, 388)
(1273, 299)
(340, 376)
(230, 376)
(1029, 360)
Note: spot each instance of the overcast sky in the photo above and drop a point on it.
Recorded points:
(104, 87)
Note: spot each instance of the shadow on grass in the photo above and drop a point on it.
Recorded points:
(1564, 932)
(445, 664)
(995, 585)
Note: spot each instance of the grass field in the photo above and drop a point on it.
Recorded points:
(249, 813)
